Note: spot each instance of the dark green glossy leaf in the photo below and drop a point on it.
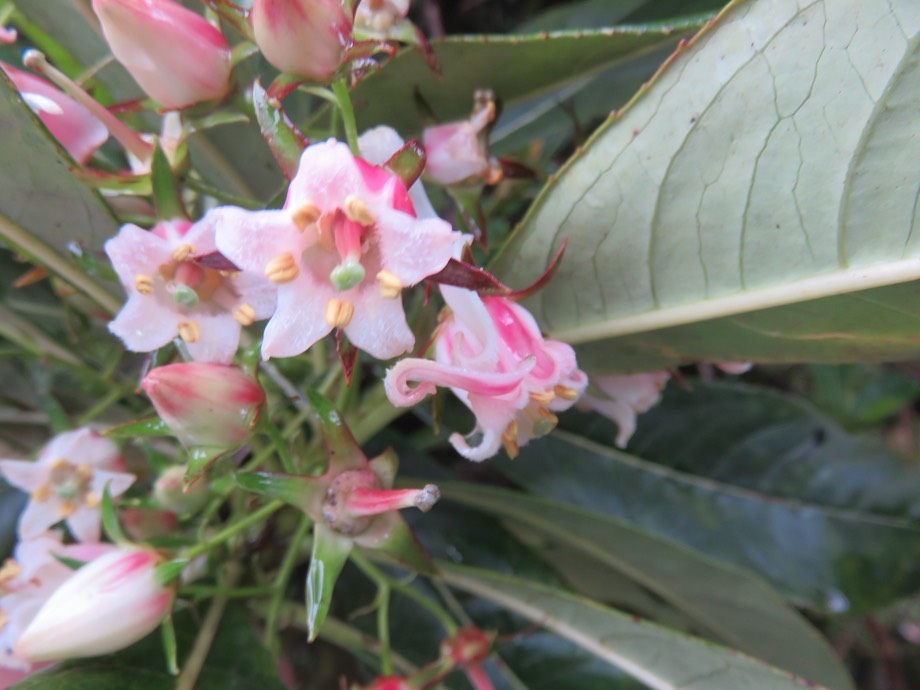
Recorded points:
(860, 395)
(237, 661)
(660, 658)
(330, 553)
(753, 478)
(736, 608)
(514, 67)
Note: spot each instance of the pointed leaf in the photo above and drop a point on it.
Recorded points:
(660, 658)
(167, 197)
(408, 162)
(465, 275)
(738, 608)
(385, 467)
(390, 534)
(305, 493)
(282, 136)
(757, 201)
(149, 426)
(330, 552)
(110, 524)
(344, 452)
(199, 460)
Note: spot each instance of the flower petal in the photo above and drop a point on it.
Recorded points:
(136, 251)
(299, 321)
(219, 339)
(379, 325)
(145, 324)
(24, 475)
(251, 239)
(413, 248)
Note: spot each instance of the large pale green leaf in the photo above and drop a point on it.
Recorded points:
(660, 658)
(514, 67)
(38, 193)
(757, 201)
(753, 478)
(737, 608)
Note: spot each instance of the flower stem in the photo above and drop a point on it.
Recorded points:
(232, 530)
(281, 582)
(380, 578)
(340, 89)
(279, 444)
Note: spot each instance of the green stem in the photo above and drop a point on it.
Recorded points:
(205, 591)
(379, 577)
(281, 582)
(196, 658)
(279, 444)
(43, 255)
(110, 398)
(289, 430)
(383, 629)
(340, 89)
(232, 530)
(208, 189)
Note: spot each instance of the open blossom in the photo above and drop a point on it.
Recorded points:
(174, 54)
(27, 580)
(490, 352)
(106, 605)
(75, 128)
(340, 252)
(66, 483)
(170, 292)
(303, 37)
(624, 397)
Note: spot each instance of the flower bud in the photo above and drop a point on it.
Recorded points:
(105, 606)
(205, 405)
(171, 492)
(458, 152)
(75, 128)
(174, 54)
(303, 37)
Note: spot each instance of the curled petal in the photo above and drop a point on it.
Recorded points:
(428, 375)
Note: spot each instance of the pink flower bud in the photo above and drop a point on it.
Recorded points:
(303, 37)
(70, 123)
(204, 404)
(171, 492)
(174, 54)
(458, 152)
(105, 606)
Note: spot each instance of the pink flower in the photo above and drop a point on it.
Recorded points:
(106, 605)
(66, 483)
(458, 151)
(303, 37)
(490, 352)
(623, 397)
(171, 293)
(205, 405)
(346, 244)
(75, 128)
(174, 54)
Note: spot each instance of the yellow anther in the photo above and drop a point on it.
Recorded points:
(42, 493)
(548, 416)
(183, 251)
(509, 439)
(9, 570)
(228, 274)
(59, 464)
(339, 312)
(244, 315)
(84, 472)
(189, 331)
(282, 269)
(389, 284)
(143, 284)
(566, 393)
(544, 398)
(66, 509)
(92, 500)
(358, 211)
(306, 214)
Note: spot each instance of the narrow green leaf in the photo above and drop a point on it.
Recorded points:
(660, 658)
(199, 460)
(148, 426)
(330, 552)
(737, 608)
(170, 649)
(343, 451)
(167, 197)
(756, 201)
(110, 524)
(299, 491)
